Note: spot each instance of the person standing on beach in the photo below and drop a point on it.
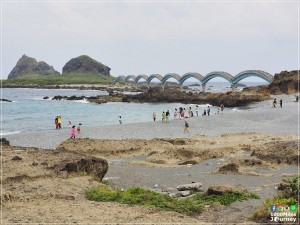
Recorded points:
(78, 128)
(280, 103)
(175, 113)
(186, 127)
(167, 116)
(120, 119)
(163, 116)
(208, 110)
(73, 132)
(56, 122)
(274, 103)
(197, 109)
(59, 122)
(180, 112)
(154, 116)
(222, 107)
(70, 125)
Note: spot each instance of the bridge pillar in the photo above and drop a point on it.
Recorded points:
(203, 87)
(163, 87)
(136, 85)
(233, 87)
(181, 87)
(148, 86)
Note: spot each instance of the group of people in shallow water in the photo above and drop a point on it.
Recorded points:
(57, 122)
(182, 113)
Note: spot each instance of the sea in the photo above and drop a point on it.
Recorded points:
(28, 111)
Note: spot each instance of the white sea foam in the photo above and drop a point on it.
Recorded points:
(9, 133)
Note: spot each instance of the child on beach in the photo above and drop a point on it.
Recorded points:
(73, 132)
(163, 116)
(120, 119)
(78, 128)
(154, 116)
(186, 127)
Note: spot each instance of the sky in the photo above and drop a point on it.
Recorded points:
(146, 37)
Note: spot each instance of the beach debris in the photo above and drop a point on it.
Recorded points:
(221, 189)
(16, 158)
(4, 142)
(62, 174)
(186, 187)
(84, 164)
(185, 193)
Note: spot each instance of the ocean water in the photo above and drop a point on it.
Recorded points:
(30, 112)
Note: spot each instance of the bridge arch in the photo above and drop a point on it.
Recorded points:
(170, 75)
(253, 73)
(141, 76)
(130, 77)
(153, 76)
(186, 76)
(214, 74)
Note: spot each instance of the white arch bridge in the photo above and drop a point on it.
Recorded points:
(233, 80)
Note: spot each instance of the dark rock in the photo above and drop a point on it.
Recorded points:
(229, 168)
(85, 64)
(16, 158)
(222, 189)
(84, 164)
(230, 99)
(285, 83)
(35, 164)
(44, 163)
(28, 65)
(186, 162)
(46, 97)
(4, 100)
(4, 142)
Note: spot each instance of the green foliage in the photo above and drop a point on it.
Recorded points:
(292, 188)
(225, 199)
(140, 196)
(289, 196)
(71, 78)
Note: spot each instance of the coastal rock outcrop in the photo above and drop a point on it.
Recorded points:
(285, 82)
(230, 99)
(28, 66)
(85, 164)
(85, 64)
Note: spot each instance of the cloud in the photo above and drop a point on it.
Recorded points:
(88, 27)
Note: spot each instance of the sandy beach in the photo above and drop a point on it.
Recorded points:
(260, 141)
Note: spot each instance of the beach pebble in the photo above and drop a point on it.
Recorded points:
(155, 185)
(185, 193)
(35, 164)
(186, 187)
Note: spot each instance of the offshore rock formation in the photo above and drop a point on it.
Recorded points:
(27, 65)
(230, 99)
(85, 64)
(285, 82)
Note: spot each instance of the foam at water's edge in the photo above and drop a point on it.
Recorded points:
(9, 133)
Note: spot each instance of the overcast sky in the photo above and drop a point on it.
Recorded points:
(154, 37)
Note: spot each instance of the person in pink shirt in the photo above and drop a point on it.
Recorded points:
(73, 132)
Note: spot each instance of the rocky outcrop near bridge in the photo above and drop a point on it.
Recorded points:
(27, 65)
(285, 82)
(85, 64)
(230, 99)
